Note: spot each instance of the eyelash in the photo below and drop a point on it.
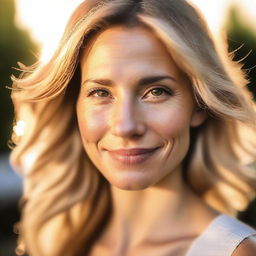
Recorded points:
(97, 89)
(94, 90)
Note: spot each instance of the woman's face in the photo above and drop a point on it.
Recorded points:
(135, 108)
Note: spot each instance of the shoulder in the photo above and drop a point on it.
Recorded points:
(247, 247)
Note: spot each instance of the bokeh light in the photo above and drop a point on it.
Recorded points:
(19, 128)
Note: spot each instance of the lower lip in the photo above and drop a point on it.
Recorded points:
(132, 159)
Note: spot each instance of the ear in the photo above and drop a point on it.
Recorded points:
(198, 117)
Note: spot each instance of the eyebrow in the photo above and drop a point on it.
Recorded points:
(142, 82)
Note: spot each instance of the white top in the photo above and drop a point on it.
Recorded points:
(221, 237)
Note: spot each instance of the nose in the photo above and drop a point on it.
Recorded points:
(127, 120)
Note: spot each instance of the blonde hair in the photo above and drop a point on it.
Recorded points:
(66, 202)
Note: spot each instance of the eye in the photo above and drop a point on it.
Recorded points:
(158, 92)
(98, 92)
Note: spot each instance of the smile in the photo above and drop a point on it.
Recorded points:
(132, 156)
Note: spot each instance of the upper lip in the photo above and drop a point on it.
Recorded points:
(132, 151)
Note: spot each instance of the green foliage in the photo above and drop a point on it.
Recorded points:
(242, 40)
(15, 45)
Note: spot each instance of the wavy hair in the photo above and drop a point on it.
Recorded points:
(66, 202)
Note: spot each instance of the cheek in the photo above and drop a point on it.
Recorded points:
(171, 122)
(92, 122)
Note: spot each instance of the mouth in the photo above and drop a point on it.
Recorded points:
(132, 156)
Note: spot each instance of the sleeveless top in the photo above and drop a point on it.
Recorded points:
(221, 237)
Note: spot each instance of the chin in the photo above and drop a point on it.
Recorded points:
(130, 184)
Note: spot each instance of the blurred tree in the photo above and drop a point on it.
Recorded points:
(15, 45)
(242, 41)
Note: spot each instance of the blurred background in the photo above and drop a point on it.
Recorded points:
(30, 29)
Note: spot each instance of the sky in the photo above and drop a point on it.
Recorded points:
(46, 19)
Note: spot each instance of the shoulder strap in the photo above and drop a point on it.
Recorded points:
(221, 237)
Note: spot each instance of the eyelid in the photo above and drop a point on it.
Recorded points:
(95, 89)
(163, 87)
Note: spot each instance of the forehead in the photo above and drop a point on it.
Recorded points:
(122, 43)
(120, 36)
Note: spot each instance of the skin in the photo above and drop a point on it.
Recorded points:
(115, 111)
(123, 114)
(246, 248)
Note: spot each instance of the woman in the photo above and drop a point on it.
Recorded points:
(139, 135)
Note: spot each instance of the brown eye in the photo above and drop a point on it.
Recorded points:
(157, 91)
(98, 93)
(102, 93)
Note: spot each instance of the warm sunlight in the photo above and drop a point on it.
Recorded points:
(214, 11)
(19, 128)
(46, 18)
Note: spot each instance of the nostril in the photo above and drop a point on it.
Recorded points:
(127, 120)
(128, 128)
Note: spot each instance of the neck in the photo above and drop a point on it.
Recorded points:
(156, 214)
(158, 201)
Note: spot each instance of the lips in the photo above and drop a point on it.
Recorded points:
(132, 152)
(132, 156)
